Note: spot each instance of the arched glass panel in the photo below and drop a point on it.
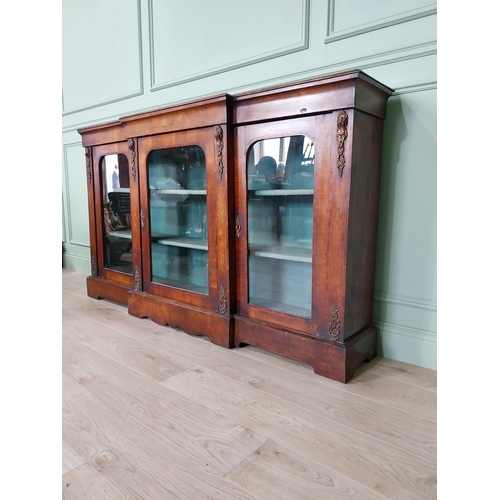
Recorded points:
(280, 179)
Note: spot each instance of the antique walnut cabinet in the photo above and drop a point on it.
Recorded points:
(251, 219)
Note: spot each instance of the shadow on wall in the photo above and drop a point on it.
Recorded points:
(405, 273)
(395, 133)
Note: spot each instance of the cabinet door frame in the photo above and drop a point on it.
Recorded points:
(205, 138)
(314, 127)
(98, 153)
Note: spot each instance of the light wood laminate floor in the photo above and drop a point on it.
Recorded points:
(150, 412)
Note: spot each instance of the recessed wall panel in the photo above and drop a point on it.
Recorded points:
(75, 175)
(352, 17)
(187, 44)
(101, 53)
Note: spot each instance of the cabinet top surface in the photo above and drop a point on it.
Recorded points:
(201, 104)
(217, 109)
(312, 82)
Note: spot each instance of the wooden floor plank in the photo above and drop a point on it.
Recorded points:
(115, 316)
(276, 472)
(74, 281)
(85, 483)
(208, 436)
(151, 412)
(143, 358)
(380, 467)
(70, 458)
(74, 300)
(135, 460)
(75, 287)
(398, 428)
(88, 429)
(402, 396)
(418, 376)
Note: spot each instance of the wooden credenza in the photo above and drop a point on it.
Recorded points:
(250, 219)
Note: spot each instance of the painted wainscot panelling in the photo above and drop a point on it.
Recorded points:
(125, 56)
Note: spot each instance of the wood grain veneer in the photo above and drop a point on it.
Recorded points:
(321, 313)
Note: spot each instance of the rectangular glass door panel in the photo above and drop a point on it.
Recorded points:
(280, 180)
(116, 213)
(178, 217)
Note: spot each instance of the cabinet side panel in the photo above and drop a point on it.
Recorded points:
(323, 272)
(338, 203)
(136, 218)
(91, 204)
(223, 219)
(240, 183)
(363, 217)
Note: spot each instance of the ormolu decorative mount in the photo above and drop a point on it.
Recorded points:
(222, 299)
(341, 137)
(137, 279)
(220, 145)
(87, 159)
(93, 265)
(334, 323)
(142, 218)
(131, 146)
(238, 226)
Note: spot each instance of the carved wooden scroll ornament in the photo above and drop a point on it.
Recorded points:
(341, 137)
(334, 323)
(222, 299)
(219, 143)
(131, 146)
(137, 279)
(87, 160)
(93, 265)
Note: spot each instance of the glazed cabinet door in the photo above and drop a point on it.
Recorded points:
(282, 178)
(180, 197)
(116, 240)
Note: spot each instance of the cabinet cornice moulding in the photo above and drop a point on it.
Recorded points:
(385, 22)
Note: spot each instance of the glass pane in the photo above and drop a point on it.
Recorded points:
(116, 213)
(280, 223)
(178, 215)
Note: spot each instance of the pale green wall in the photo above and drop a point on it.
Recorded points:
(125, 56)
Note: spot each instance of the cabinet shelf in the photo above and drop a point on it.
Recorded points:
(279, 306)
(176, 284)
(202, 192)
(126, 233)
(193, 243)
(292, 254)
(282, 192)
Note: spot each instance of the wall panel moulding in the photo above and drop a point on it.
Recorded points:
(340, 16)
(254, 38)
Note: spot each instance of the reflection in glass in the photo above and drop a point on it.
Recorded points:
(280, 175)
(116, 213)
(178, 217)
